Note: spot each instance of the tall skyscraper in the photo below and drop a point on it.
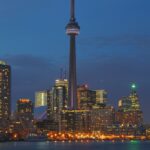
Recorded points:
(72, 29)
(134, 98)
(5, 91)
(129, 112)
(57, 98)
(63, 83)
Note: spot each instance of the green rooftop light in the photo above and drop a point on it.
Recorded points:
(133, 86)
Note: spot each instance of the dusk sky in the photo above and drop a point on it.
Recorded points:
(113, 48)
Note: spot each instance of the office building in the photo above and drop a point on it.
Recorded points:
(24, 110)
(75, 120)
(85, 98)
(102, 118)
(41, 98)
(57, 98)
(129, 111)
(101, 97)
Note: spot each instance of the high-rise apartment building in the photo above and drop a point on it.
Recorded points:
(5, 91)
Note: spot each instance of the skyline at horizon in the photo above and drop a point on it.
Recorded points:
(36, 48)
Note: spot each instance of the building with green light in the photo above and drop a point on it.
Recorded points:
(129, 111)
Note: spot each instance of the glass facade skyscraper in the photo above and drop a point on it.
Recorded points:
(41, 98)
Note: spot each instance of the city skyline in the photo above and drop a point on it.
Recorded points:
(107, 59)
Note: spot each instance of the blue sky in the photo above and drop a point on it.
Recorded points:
(113, 48)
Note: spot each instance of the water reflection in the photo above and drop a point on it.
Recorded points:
(134, 145)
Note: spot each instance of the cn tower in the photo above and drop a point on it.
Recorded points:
(72, 29)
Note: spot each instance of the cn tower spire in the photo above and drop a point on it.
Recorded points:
(72, 11)
(72, 29)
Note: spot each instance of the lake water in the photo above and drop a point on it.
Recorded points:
(75, 146)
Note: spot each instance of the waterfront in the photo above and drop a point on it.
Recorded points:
(131, 145)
